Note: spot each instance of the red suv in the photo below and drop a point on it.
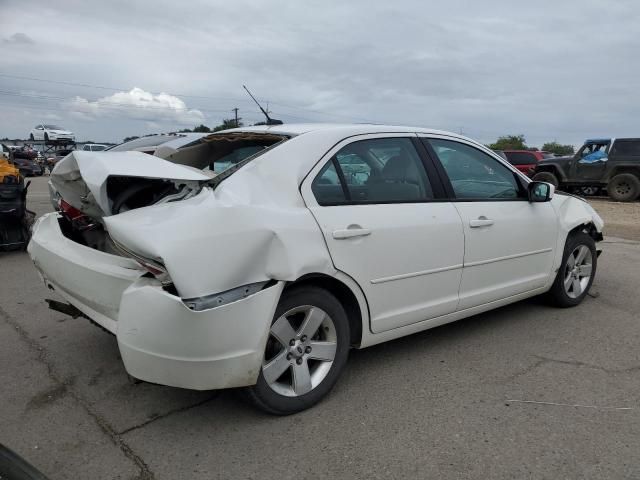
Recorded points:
(525, 160)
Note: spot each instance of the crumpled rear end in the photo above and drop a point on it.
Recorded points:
(91, 280)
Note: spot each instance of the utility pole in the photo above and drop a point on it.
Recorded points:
(235, 110)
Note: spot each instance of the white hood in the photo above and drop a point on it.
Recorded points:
(81, 177)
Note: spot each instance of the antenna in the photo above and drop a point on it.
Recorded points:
(270, 121)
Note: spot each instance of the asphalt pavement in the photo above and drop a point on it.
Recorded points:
(525, 391)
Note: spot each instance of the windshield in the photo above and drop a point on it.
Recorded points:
(53, 127)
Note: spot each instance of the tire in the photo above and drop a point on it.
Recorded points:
(46, 137)
(276, 391)
(31, 137)
(546, 177)
(624, 187)
(571, 284)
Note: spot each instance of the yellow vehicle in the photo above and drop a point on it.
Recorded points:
(15, 219)
(8, 172)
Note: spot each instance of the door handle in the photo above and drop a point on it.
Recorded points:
(481, 221)
(351, 233)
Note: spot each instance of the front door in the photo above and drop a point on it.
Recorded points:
(591, 162)
(386, 225)
(509, 242)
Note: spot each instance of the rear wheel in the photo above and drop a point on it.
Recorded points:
(306, 351)
(577, 271)
(546, 177)
(624, 187)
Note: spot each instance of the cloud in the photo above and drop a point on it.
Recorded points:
(137, 104)
(19, 38)
(487, 68)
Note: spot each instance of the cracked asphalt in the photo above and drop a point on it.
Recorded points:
(447, 403)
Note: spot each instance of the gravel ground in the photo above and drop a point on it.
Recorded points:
(621, 219)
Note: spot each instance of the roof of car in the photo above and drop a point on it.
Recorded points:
(353, 128)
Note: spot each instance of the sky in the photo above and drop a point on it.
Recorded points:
(551, 70)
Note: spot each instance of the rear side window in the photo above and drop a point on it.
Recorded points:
(382, 170)
(626, 147)
(473, 174)
(521, 158)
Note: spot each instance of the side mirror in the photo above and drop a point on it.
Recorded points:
(540, 191)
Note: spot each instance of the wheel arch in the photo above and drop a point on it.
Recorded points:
(618, 170)
(551, 169)
(589, 228)
(348, 294)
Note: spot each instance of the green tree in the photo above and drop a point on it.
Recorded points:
(509, 142)
(228, 123)
(558, 149)
(201, 129)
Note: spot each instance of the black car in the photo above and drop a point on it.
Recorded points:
(600, 164)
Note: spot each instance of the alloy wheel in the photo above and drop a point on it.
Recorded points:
(300, 351)
(577, 271)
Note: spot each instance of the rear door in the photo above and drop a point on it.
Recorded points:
(380, 205)
(509, 242)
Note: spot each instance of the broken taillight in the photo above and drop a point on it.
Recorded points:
(154, 267)
(77, 218)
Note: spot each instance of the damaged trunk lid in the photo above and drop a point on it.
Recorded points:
(101, 184)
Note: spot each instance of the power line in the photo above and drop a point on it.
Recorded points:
(236, 99)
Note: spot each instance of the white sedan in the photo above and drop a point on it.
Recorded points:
(313, 240)
(51, 133)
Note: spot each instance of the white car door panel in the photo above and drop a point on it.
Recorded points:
(406, 255)
(509, 242)
(512, 255)
(409, 265)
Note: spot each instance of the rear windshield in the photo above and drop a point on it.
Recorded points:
(520, 158)
(222, 154)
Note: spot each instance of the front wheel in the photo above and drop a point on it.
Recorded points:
(306, 351)
(31, 137)
(577, 271)
(46, 137)
(546, 177)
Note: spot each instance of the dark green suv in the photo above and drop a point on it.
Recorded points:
(600, 164)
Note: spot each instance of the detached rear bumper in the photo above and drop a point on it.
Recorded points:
(160, 339)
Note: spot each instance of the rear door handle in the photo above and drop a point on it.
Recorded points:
(351, 233)
(481, 221)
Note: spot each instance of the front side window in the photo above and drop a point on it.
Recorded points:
(594, 152)
(381, 170)
(473, 174)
